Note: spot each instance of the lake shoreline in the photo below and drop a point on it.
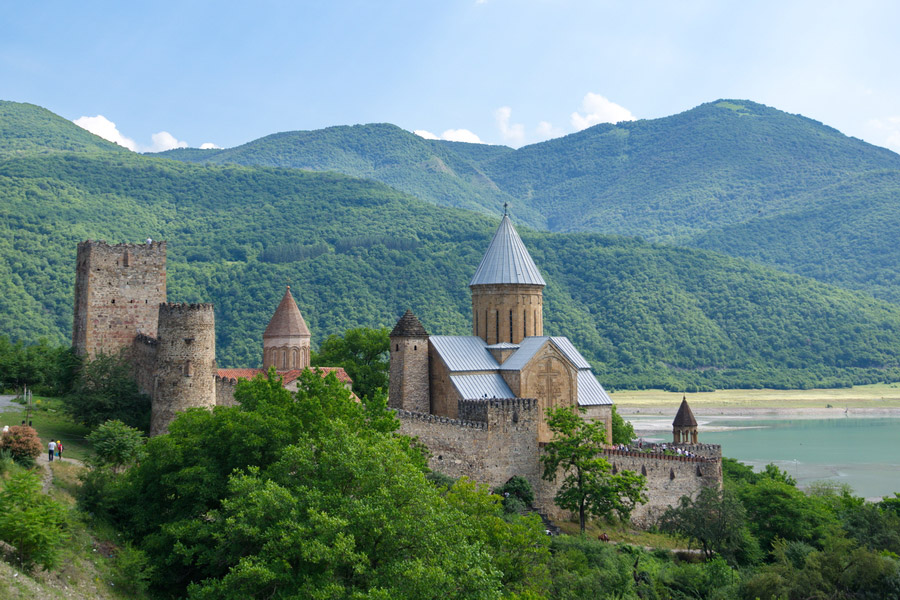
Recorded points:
(705, 410)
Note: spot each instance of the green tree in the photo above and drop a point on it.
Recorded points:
(116, 444)
(714, 519)
(588, 485)
(622, 430)
(105, 389)
(363, 352)
(31, 521)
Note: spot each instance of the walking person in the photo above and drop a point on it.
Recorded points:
(59, 449)
(51, 447)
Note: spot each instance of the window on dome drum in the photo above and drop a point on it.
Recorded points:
(510, 327)
(496, 326)
(476, 322)
(524, 323)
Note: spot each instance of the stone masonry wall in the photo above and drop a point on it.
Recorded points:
(668, 478)
(118, 290)
(143, 362)
(225, 391)
(185, 362)
(492, 306)
(488, 451)
(409, 385)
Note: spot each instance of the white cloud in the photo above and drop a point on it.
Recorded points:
(451, 135)
(514, 133)
(597, 109)
(163, 141)
(885, 132)
(210, 146)
(426, 134)
(461, 135)
(545, 131)
(106, 129)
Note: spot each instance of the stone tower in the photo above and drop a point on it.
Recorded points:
(118, 290)
(684, 427)
(409, 383)
(286, 341)
(507, 290)
(185, 362)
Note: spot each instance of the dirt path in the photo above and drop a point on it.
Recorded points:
(43, 460)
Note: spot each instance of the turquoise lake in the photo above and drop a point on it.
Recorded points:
(861, 452)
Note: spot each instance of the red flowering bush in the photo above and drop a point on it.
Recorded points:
(23, 444)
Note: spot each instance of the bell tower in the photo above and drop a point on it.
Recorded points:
(507, 290)
(286, 341)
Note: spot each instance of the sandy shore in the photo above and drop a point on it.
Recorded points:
(706, 410)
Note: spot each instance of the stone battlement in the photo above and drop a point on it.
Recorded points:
(104, 245)
(429, 418)
(658, 456)
(183, 307)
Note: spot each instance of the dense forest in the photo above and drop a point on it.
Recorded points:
(733, 176)
(357, 252)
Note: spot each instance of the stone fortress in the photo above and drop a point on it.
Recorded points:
(121, 307)
(478, 402)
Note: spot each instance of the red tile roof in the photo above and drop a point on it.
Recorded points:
(287, 376)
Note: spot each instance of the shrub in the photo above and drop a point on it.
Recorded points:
(22, 443)
(31, 521)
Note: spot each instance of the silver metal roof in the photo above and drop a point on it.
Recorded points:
(507, 260)
(476, 387)
(464, 353)
(502, 346)
(590, 392)
(567, 348)
(528, 347)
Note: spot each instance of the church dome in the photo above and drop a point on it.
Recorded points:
(287, 320)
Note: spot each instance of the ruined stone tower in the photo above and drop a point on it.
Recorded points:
(684, 427)
(409, 389)
(118, 290)
(507, 291)
(286, 340)
(185, 362)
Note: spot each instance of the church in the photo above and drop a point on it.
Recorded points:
(506, 357)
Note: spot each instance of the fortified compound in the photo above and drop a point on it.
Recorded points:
(121, 307)
(478, 402)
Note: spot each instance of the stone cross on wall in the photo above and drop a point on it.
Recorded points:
(549, 387)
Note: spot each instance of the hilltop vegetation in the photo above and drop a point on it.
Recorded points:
(732, 175)
(358, 253)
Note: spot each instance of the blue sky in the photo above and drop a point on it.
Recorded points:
(515, 72)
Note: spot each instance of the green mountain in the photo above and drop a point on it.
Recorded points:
(358, 252)
(724, 175)
(444, 173)
(27, 129)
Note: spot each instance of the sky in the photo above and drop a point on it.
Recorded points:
(158, 75)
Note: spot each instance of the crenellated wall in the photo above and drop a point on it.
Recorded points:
(668, 477)
(498, 440)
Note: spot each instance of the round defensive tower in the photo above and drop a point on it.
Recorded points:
(286, 340)
(185, 362)
(507, 290)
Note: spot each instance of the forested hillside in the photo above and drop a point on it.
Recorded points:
(731, 175)
(360, 253)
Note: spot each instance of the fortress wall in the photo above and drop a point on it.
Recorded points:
(118, 289)
(143, 362)
(185, 362)
(225, 391)
(668, 478)
(488, 451)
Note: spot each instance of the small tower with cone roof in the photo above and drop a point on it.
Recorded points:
(286, 341)
(409, 383)
(507, 290)
(684, 427)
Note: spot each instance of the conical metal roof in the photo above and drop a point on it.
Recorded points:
(507, 260)
(287, 320)
(684, 417)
